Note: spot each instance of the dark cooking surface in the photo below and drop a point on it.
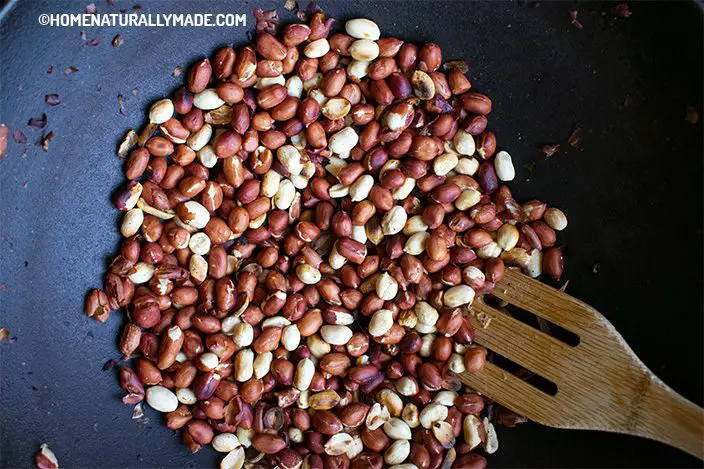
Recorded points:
(633, 196)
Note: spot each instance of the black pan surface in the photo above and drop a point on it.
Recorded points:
(633, 194)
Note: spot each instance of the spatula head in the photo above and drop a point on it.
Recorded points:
(601, 384)
(595, 379)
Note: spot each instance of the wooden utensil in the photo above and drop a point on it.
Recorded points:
(601, 384)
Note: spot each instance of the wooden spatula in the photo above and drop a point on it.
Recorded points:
(601, 384)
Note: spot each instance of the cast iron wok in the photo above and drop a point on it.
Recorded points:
(633, 194)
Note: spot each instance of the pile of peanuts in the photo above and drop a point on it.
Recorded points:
(306, 224)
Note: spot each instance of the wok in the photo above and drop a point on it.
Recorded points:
(632, 191)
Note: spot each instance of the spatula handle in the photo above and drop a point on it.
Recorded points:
(664, 415)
